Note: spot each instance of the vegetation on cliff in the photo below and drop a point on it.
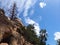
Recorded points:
(13, 32)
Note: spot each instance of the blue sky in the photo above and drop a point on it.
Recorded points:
(45, 14)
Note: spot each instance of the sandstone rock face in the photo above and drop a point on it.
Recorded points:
(8, 31)
(3, 44)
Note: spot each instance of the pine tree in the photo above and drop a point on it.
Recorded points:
(43, 37)
(13, 12)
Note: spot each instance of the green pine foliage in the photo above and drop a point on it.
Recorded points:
(30, 35)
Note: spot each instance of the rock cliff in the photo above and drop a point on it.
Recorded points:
(11, 31)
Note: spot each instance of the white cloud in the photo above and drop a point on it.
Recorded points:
(28, 4)
(37, 28)
(23, 5)
(57, 35)
(29, 21)
(36, 25)
(6, 4)
(42, 4)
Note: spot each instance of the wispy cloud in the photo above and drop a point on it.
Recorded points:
(57, 35)
(28, 4)
(6, 5)
(42, 4)
(23, 5)
(36, 25)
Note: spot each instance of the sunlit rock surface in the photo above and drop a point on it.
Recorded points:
(8, 31)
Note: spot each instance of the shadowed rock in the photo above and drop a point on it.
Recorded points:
(8, 31)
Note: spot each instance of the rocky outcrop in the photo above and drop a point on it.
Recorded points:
(3, 44)
(9, 31)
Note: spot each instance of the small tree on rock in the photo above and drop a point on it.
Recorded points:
(13, 12)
